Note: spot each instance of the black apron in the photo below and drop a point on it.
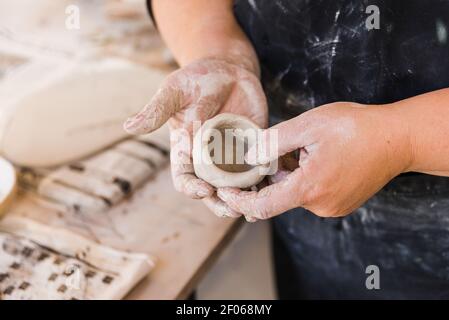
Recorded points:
(314, 52)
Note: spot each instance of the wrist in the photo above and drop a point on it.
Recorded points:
(233, 51)
(398, 136)
(215, 36)
(201, 29)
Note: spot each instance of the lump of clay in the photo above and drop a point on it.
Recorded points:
(56, 112)
(219, 148)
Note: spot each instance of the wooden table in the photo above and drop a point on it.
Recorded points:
(186, 245)
(181, 233)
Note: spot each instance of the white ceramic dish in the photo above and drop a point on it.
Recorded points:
(7, 184)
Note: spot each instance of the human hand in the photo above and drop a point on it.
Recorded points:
(347, 152)
(197, 92)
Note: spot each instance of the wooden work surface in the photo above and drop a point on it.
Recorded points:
(182, 235)
(186, 244)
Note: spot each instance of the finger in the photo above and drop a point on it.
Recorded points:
(280, 175)
(286, 165)
(165, 103)
(250, 219)
(277, 141)
(268, 202)
(249, 92)
(192, 186)
(219, 208)
(182, 170)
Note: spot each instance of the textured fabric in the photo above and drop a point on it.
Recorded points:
(403, 230)
(320, 51)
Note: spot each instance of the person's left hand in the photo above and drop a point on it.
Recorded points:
(191, 95)
(347, 152)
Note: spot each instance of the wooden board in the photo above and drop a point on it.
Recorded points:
(183, 235)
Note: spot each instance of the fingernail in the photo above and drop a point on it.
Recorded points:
(224, 194)
(203, 193)
(132, 124)
(220, 214)
(250, 219)
(251, 156)
(202, 188)
(279, 176)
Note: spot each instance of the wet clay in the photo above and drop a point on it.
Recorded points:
(230, 144)
(223, 169)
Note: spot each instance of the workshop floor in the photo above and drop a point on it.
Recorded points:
(244, 271)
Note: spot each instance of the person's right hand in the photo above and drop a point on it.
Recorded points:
(197, 92)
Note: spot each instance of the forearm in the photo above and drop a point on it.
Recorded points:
(195, 29)
(426, 119)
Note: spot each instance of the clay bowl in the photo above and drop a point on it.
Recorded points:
(226, 168)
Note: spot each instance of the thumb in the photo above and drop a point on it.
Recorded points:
(165, 103)
(277, 141)
(269, 201)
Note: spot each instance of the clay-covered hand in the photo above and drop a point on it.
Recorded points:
(347, 152)
(197, 92)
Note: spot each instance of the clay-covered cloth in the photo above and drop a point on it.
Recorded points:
(320, 51)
